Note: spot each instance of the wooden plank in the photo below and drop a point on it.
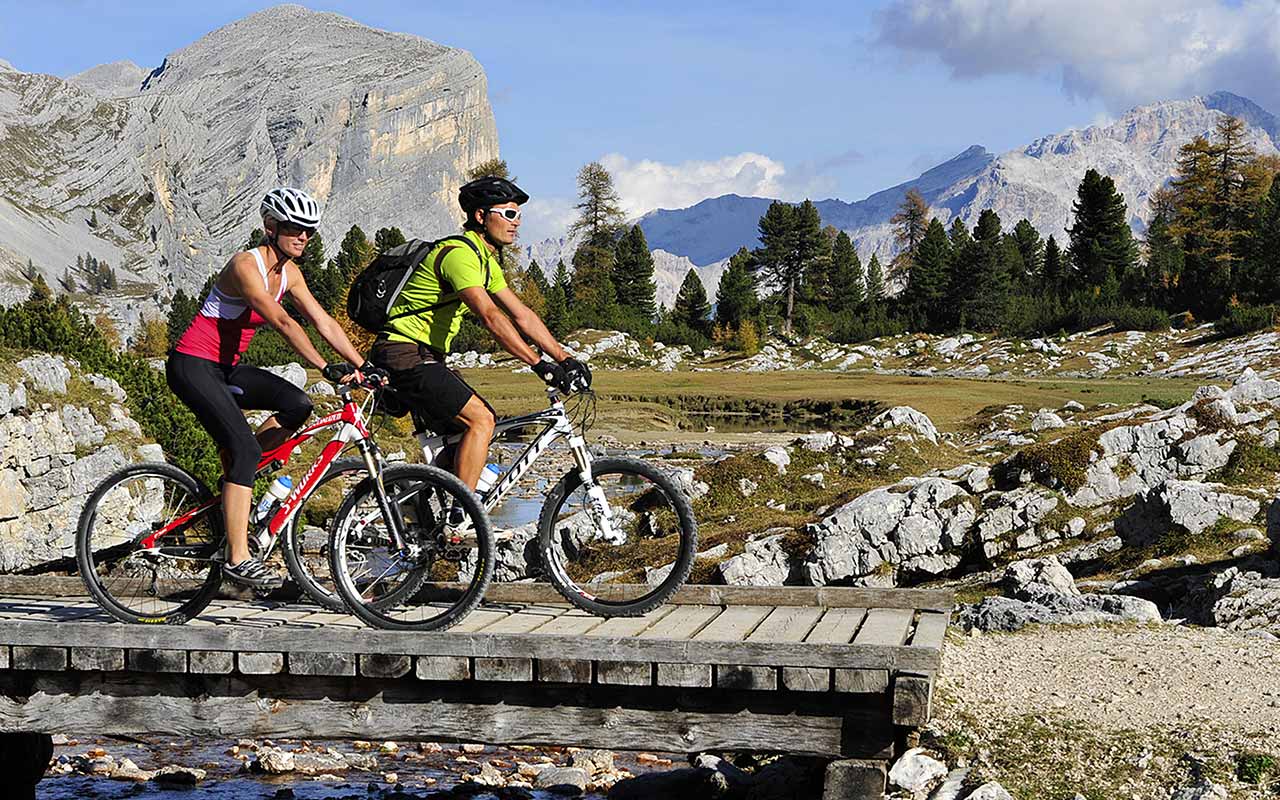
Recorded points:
(211, 662)
(442, 668)
(39, 658)
(734, 624)
(619, 627)
(504, 669)
(806, 679)
(885, 626)
(931, 629)
(377, 665)
(571, 623)
(624, 673)
(615, 718)
(4, 657)
(157, 660)
(694, 675)
(346, 641)
(681, 623)
(740, 676)
(481, 618)
(321, 663)
(827, 596)
(861, 681)
(912, 699)
(526, 620)
(786, 624)
(97, 659)
(837, 626)
(564, 670)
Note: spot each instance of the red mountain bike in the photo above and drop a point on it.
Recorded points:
(150, 541)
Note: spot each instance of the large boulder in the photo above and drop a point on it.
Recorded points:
(1008, 614)
(47, 373)
(1014, 520)
(908, 418)
(764, 561)
(917, 525)
(1037, 578)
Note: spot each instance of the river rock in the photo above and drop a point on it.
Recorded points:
(180, 776)
(916, 772)
(562, 780)
(907, 417)
(593, 761)
(677, 784)
(1035, 578)
(918, 524)
(47, 373)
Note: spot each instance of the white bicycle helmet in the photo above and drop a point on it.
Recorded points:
(295, 206)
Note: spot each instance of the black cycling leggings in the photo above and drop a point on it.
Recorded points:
(216, 393)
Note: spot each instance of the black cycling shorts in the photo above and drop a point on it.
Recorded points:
(217, 393)
(433, 392)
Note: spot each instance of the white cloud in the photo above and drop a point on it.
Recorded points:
(1123, 52)
(545, 218)
(647, 185)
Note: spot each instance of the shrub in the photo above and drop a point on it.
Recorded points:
(1240, 320)
(675, 333)
(1063, 461)
(1139, 318)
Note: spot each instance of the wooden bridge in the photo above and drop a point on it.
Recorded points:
(843, 673)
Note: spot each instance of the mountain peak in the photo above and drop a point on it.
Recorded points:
(117, 79)
(6, 66)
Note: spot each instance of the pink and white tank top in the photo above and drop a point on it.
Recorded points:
(224, 326)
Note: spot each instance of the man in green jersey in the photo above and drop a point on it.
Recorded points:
(461, 274)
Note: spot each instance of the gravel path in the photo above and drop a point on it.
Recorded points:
(1121, 678)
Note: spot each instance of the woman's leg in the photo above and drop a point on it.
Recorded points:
(202, 385)
(266, 391)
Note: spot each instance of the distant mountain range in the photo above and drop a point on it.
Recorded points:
(1139, 151)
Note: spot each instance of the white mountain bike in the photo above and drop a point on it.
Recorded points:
(602, 523)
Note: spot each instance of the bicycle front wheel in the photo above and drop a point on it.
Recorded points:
(630, 577)
(442, 571)
(168, 583)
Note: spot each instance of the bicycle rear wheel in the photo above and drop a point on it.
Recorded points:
(169, 583)
(616, 580)
(432, 583)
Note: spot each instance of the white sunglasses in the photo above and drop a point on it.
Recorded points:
(509, 214)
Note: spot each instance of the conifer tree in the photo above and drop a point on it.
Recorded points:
(691, 307)
(1262, 263)
(1051, 276)
(599, 220)
(848, 285)
(633, 274)
(563, 282)
(926, 290)
(181, 311)
(594, 298)
(599, 208)
(40, 291)
(1154, 283)
(386, 238)
(910, 224)
(736, 295)
(875, 282)
(30, 272)
(1102, 249)
(1030, 250)
(790, 240)
(255, 239)
(986, 304)
(354, 254)
(538, 277)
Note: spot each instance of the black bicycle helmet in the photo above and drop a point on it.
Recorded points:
(489, 191)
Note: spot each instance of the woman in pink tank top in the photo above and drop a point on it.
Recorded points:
(204, 368)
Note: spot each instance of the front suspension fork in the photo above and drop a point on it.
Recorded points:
(373, 463)
(597, 502)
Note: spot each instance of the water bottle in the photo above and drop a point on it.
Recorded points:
(488, 477)
(276, 493)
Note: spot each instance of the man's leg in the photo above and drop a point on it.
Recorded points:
(473, 450)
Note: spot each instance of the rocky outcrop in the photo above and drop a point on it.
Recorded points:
(162, 180)
(53, 458)
(917, 526)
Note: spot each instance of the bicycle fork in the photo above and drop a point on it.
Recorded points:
(597, 502)
(373, 463)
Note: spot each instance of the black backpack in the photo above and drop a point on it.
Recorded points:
(375, 290)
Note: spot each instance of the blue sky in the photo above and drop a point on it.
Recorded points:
(683, 100)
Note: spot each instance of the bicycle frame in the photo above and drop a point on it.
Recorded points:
(352, 428)
(555, 426)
